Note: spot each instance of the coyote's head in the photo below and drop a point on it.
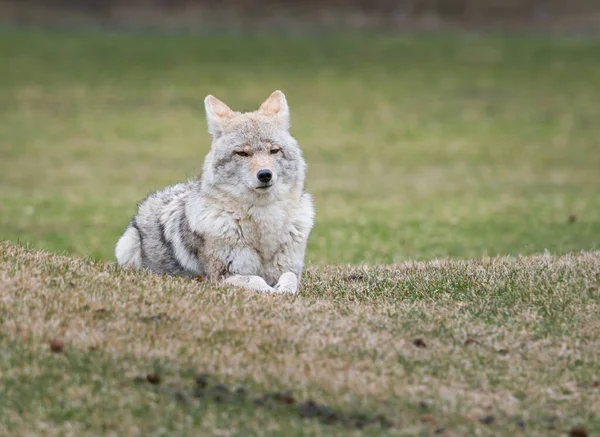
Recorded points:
(252, 153)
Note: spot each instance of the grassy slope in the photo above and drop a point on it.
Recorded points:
(418, 146)
(516, 339)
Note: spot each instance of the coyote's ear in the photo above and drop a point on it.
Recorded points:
(276, 106)
(216, 112)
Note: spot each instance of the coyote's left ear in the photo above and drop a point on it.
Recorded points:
(276, 106)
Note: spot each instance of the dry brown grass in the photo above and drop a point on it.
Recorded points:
(516, 338)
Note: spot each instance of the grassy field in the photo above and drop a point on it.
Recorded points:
(419, 148)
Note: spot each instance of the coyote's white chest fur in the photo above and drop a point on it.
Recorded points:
(259, 238)
(246, 221)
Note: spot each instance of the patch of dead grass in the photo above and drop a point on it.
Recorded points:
(533, 322)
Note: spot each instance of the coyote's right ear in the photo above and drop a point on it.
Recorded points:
(216, 113)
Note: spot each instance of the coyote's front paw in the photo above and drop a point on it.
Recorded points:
(255, 283)
(288, 283)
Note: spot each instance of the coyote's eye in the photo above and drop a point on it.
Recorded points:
(275, 151)
(240, 153)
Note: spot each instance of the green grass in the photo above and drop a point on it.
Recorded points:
(419, 147)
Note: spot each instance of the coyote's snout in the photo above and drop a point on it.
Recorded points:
(245, 221)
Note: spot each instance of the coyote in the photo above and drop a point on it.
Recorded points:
(245, 221)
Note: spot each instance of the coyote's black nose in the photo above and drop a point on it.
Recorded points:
(264, 176)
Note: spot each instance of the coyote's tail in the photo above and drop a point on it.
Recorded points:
(129, 248)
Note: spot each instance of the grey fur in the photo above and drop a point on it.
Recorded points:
(227, 225)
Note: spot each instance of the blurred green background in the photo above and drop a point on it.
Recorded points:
(419, 145)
